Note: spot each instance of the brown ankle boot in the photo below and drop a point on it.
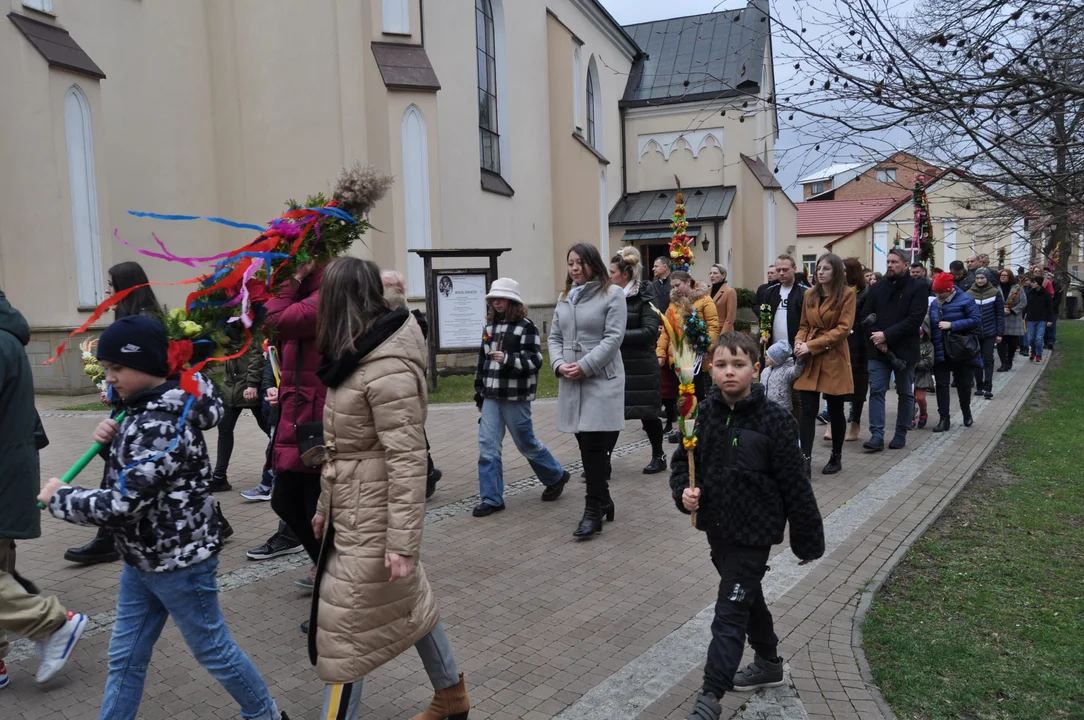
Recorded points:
(448, 704)
(852, 432)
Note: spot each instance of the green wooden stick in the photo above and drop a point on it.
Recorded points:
(82, 462)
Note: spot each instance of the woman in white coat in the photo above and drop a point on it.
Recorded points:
(585, 352)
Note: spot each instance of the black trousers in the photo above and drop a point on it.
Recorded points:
(653, 427)
(294, 499)
(811, 402)
(860, 376)
(740, 611)
(964, 375)
(225, 436)
(984, 376)
(1007, 348)
(595, 449)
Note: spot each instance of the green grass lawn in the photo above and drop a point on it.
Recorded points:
(460, 388)
(984, 618)
(97, 406)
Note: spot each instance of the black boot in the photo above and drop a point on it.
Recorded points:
(101, 549)
(968, 420)
(607, 508)
(835, 464)
(219, 483)
(591, 524)
(808, 465)
(942, 425)
(226, 529)
(431, 481)
(657, 465)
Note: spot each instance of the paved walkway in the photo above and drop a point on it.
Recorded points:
(541, 625)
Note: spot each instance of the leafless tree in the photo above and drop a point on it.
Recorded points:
(991, 88)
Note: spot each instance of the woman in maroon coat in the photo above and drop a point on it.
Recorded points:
(291, 319)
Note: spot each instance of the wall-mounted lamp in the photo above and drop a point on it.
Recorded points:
(705, 242)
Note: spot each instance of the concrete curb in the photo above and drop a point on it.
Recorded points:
(866, 599)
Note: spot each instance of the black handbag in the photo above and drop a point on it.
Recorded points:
(960, 347)
(309, 436)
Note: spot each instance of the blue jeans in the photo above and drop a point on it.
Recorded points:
(1037, 336)
(190, 596)
(879, 373)
(516, 417)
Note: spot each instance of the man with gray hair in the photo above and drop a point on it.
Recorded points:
(395, 294)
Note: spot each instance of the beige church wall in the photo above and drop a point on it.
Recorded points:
(476, 218)
(37, 252)
(375, 16)
(786, 221)
(575, 168)
(696, 158)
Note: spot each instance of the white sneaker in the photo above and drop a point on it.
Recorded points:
(3, 675)
(56, 650)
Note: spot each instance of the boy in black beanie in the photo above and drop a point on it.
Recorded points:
(158, 503)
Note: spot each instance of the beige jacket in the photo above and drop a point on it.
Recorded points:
(373, 493)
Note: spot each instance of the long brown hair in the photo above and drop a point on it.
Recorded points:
(834, 291)
(515, 312)
(130, 274)
(592, 259)
(351, 300)
(854, 273)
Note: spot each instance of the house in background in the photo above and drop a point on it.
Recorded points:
(696, 108)
(966, 221)
(890, 177)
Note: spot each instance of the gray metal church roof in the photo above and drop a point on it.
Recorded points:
(699, 57)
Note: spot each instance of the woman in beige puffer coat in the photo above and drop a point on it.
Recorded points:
(372, 600)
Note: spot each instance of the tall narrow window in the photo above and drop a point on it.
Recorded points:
(418, 225)
(592, 93)
(577, 83)
(488, 128)
(84, 198)
(595, 122)
(397, 17)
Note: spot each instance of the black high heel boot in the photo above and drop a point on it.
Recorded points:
(591, 524)
(835, 464)
(942, 425)
(607, 508)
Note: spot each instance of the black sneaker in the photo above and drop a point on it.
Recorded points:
(220, 484)
(989, 395)
(874, 444)
(485, 509)
(760, 673)
(552, 492)
(706, 708)
(674, 437)
(823, 418)
(305, 628)
(277, 545)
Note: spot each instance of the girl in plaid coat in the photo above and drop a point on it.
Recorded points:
(505, 384)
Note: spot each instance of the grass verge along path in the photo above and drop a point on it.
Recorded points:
(984, 617)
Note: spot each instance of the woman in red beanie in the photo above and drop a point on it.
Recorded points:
(952, 312)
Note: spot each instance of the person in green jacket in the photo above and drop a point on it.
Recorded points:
(41, 619)
(240, 391)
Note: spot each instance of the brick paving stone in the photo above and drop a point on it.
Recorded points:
(536, 619)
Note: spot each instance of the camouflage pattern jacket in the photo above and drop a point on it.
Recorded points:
(156, 497)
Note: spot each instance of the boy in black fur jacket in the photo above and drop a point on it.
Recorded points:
(751, 480)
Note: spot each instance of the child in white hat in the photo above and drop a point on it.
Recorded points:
(505, 384)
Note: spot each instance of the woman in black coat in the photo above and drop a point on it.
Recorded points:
(856, 341)
(642, 399)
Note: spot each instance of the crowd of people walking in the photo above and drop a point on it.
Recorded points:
(348, 468)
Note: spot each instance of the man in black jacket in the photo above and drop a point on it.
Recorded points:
(661, 270)
(763, 289)
(785, 301)
(893, 312)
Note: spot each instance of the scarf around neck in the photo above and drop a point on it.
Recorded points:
(983, 293)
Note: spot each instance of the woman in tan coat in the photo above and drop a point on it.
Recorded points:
(372, 600)
(725, 298)
(686, 296)
(821, 342)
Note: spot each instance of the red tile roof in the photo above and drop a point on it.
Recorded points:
(843, 217)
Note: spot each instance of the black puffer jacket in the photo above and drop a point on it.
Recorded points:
(751, 476)
(20, 481)
(638, 353)
(859, 336)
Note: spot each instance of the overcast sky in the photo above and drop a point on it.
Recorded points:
(792, 165)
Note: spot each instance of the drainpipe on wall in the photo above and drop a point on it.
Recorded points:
(718, 240)
(624, 156)
(421, 22)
